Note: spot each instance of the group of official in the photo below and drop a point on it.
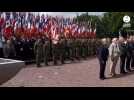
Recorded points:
(121, 49)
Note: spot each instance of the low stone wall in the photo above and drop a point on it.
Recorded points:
(9, 68)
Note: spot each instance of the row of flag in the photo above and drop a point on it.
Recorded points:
(30, 25)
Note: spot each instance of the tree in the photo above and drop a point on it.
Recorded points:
(108, 25)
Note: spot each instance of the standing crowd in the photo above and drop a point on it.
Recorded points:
(62, 49)
(45, 49)
(121, 49)
(26, 36)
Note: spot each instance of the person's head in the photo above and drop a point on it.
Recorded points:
(115, 40)
(130, 39)
(104, 41)
(8, 41)
(121, 39)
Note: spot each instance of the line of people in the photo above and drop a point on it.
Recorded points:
(121, 49)
(17, 48)
(63, 49)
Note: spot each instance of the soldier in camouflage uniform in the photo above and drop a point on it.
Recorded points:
(74, 45)
(38, 49)
(92, 47)
(70, 47)
(83, 48)
(86, 47)
(89, 47)
(77, 48)
(80, 47)
(67, 52)
(62, 49)
(46, 50)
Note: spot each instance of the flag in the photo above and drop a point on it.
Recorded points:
(8, 32)
(94, 35)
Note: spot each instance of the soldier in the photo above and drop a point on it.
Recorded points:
(67, 53)
(77, 48)
(80, 47)
(69, 49)
(55, 46)
(94, 47)
(38, 49)
(89, 47)
(46, 50)
(73, 48)
(62, 48)
(83, 48)
(86, 48)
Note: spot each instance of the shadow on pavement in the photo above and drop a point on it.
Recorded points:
(121, 75)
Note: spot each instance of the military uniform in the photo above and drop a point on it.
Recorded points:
(83, 48)
(73, 48)
(71, 53)
(89, 47)
(46, 51)
(86, 48)
(62, 47)
(67, 53)
(92, 47)
(38, 48)
(80, 47)
(55, 47)
(77, 48)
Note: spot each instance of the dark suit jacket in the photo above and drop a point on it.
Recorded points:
(129, 49)
(102, 53)
(123, 49)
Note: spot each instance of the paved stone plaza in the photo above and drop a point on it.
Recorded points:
(77, 74)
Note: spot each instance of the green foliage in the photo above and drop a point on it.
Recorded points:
(109, 24)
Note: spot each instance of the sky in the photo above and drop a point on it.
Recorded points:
(70, 14)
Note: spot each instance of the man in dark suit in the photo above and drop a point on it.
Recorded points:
(129, 53)
(132, 59)
(102, 53)
(123, 54)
